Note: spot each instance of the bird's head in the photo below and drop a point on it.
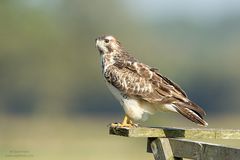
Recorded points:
(107, 44)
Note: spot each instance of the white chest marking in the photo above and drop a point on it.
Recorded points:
(106, 62)
(133, 108)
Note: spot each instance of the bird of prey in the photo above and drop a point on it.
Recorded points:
(141, 89)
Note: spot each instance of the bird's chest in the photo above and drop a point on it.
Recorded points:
(117, 94)
(132, 107)
(106, 61)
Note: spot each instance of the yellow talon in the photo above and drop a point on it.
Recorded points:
(125, 123)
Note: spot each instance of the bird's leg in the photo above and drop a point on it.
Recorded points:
(127, 122)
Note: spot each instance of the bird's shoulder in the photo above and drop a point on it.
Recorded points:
(147, 72)
(159, 83)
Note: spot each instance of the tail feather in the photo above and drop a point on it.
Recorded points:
(191, 114)
(192, 106)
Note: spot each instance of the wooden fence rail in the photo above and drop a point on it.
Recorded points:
(172, 143)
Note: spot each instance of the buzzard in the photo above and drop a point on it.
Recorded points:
(141, 89)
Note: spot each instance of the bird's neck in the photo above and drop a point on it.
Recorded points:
(107, 60)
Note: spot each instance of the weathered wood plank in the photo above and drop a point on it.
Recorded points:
(164, 132)
(196, 150)
(161, 149)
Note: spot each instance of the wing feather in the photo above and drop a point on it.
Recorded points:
(139, 80)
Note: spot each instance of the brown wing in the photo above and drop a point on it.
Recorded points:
(169, 82)
(131, 84)
(150, 82)
(139, 80)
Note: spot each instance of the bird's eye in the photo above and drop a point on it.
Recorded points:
(106, 40)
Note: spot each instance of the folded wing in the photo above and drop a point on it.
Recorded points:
(139, 80)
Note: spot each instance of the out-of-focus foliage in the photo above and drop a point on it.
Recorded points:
(49, 64)
(50, 72)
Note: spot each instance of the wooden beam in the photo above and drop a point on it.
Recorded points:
(164, 132)
(193, 150)
(161, 149)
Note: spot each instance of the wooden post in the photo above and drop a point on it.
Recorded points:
(170, 143)
(161, 149)
(201, 150)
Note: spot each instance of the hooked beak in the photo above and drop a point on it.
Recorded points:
(97, 43)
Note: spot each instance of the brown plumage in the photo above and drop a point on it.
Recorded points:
(136, 84)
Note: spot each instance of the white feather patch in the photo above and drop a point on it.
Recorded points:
(136, 110)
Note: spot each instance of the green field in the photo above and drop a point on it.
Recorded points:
(58, 138)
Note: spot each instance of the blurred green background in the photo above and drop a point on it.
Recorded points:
(53, 100)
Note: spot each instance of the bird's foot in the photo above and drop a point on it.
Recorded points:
(127, 122)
